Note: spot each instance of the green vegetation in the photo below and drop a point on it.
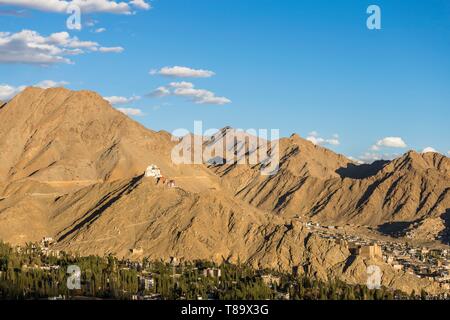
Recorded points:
(30, 273)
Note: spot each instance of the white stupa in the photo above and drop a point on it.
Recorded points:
(153, 171)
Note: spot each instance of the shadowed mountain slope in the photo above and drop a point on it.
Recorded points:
(71, 167)
(317, 183)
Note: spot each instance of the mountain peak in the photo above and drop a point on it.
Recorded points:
(33, 92)
(60, 134)
(294, 136)
(82, 105)
(424, 161)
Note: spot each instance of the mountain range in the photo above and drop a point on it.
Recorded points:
(72, 168)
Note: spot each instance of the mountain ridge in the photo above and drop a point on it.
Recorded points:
(73, 167)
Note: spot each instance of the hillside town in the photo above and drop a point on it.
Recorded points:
(423, 262)
(146, 276)
(29, 273)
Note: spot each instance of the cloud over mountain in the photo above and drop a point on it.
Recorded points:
(117, 100)
(317, 140)
(7, 92)
(188, 90)
(429, 149)
(389, 142)
(131, 111)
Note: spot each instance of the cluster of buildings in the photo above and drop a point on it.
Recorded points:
(431, 264)
(422, 262)
(271, 280)
(45, 247)
(212, 273)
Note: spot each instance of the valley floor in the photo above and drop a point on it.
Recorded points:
(31, 273)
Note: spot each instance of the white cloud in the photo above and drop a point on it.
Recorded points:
(188, 90)
(111, 49)
(389, 142)
(182, 85)
(355, 160)
(91, 23)
(429, 149)
(118, 100)
(200, 96)
(369, 157)
(100, 30)
(374, 153)
(141, 4)
(63, 39)
(161, 92)
(183, 72)
(315, 139)
(86, 6)
(45, 84)
(7, 92)
(131, 111)
(30, 47)
(334, 142)
(48, 5)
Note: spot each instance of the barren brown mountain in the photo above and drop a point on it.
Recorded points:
(71, 167)
(316, 183)
(68, 139)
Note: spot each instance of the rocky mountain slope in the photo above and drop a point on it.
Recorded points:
(71, 167)
(137, 217)
(316, 183)
(69, 139)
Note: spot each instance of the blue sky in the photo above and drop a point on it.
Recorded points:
(297, 66)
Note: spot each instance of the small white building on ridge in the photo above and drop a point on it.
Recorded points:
(153, 171)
